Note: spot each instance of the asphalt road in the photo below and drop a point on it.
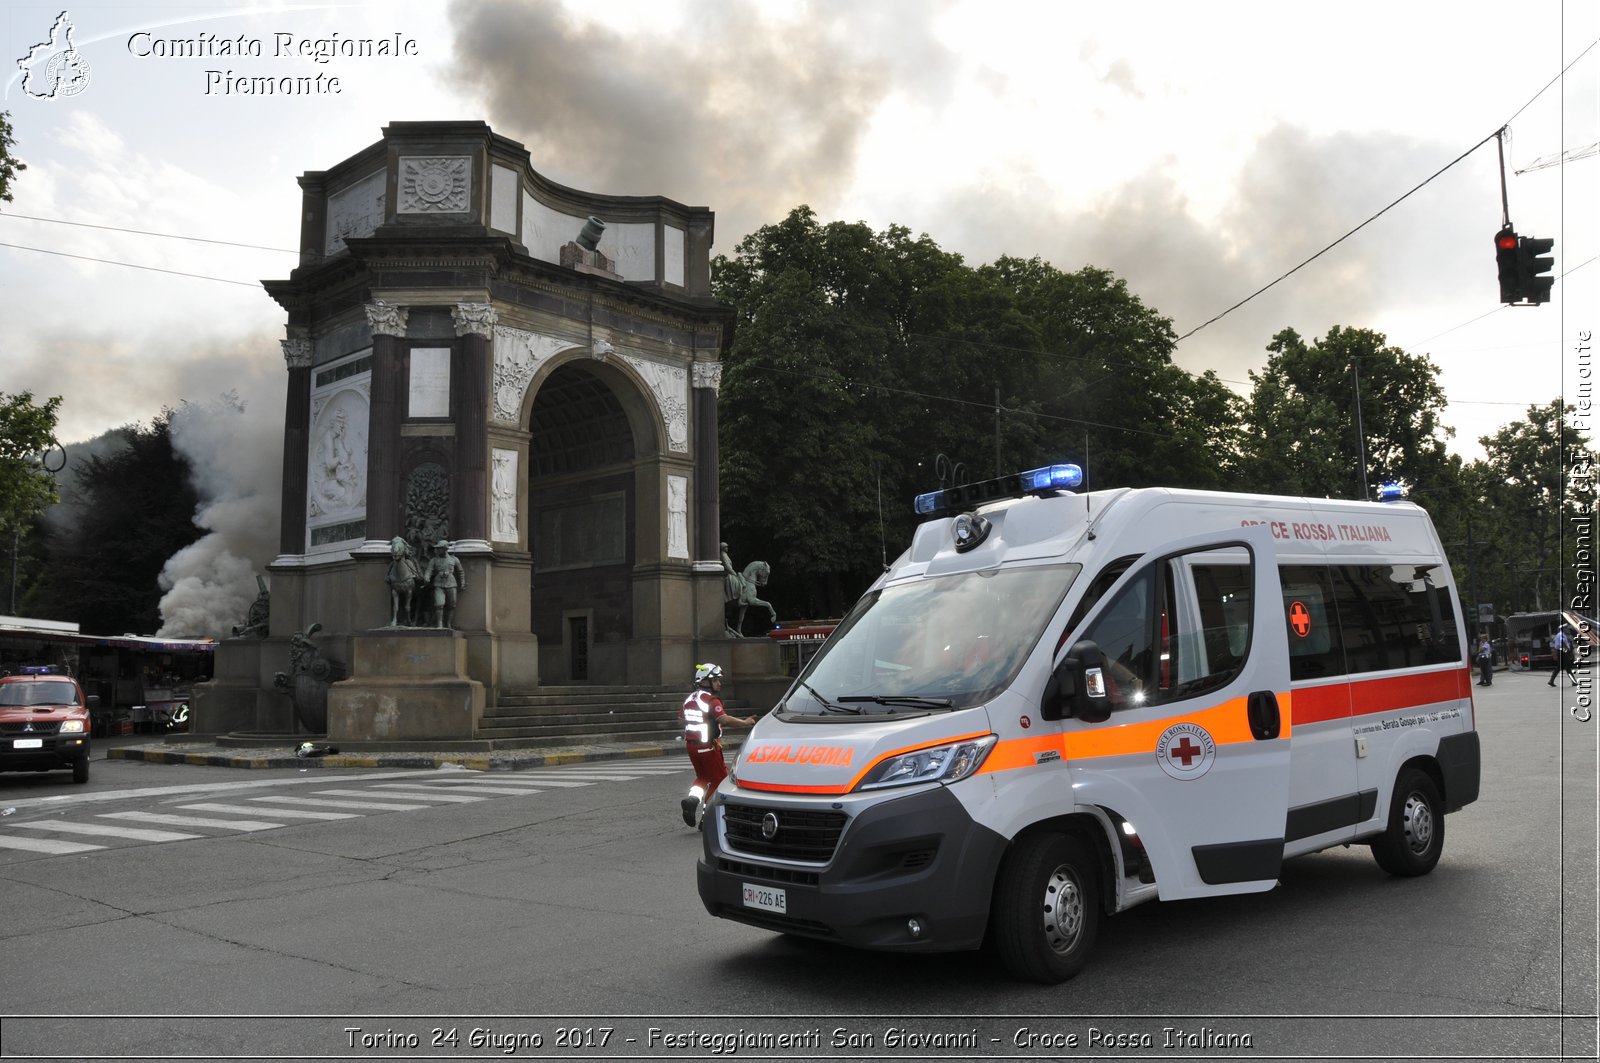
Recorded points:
(559, 906)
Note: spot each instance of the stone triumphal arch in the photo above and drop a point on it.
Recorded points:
(530, 372)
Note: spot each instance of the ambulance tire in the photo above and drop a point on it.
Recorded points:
(1415, 837)
(1046, 908)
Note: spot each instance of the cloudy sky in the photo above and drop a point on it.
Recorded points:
(1198, 150)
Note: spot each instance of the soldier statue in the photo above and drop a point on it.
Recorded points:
(446, 576)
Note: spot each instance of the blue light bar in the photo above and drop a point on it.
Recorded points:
(968, 496)
(1390, 491)
(1051, 478)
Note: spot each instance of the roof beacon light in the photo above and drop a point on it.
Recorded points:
(1391, 491)
(967, 496)
(1052, 478)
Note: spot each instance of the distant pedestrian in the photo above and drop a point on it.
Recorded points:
(1485, 661)
(1561, 649)
(703, 717)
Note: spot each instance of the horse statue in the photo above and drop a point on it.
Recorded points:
(739, 590)
(404, 579)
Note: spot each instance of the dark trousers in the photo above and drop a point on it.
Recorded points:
(1485, 671)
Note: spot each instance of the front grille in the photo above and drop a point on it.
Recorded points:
(787, 875)
(41, 727)
(802, 834)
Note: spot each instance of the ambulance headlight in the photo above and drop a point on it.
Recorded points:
(946, 764)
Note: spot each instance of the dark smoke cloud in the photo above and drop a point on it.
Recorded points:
(737, 112)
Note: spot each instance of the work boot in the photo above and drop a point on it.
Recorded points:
(691, 809)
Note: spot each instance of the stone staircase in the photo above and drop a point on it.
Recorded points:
(572, 715)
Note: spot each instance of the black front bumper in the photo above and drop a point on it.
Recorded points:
(55, 753)
(916, 858)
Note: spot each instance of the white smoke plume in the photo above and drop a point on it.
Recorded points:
(234, 450)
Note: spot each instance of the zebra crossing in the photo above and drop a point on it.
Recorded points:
(234, 812)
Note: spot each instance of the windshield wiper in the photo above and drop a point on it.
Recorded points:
(911, 700)
(826, 704)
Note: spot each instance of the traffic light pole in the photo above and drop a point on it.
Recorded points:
(1505, 200)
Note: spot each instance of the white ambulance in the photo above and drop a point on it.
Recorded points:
(1056, 705)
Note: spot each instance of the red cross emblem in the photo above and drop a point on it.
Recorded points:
(1300, 619)
(1185, 750)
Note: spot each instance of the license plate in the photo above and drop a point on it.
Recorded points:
(28, 743)
(765, 898)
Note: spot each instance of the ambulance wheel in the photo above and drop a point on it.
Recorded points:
(1046, 908)
(1415, 837)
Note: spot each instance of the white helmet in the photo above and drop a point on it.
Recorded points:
(703, 672)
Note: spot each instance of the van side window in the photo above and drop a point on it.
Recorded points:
(1393, 616)
(1315, 649)
(1177, 629)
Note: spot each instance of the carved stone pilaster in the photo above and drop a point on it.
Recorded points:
(387, 319)
(474, 319)
(708, 375)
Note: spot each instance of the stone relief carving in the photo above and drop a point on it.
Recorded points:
(387, 319)
(337, 483)
(427, 506)
(708, 375)
(670, 386)
(474, 319)
(435, 184)
(678, 517)
(503, 481)
(517, 357)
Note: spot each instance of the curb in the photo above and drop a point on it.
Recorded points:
(285, 757)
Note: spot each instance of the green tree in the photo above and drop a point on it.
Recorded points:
(27, 431)
(860, 357)
(1530, 502)
(10, 165)
(134, 511)
(1304, 433)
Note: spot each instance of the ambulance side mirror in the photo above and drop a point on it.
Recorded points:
(1077, 688)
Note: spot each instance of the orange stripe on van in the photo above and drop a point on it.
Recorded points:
(1226, 723)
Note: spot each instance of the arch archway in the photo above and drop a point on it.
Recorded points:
(593, 504)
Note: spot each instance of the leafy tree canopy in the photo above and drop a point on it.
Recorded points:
(27, 431)
(1305, 431)
(10, 165)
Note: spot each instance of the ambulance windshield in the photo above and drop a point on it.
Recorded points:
(947, 642)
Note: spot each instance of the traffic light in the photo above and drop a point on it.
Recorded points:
(1508, 258)
(1531, 269)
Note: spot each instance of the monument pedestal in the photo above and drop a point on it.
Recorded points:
(406, 685)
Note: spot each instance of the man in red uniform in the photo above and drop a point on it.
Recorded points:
(703, 717)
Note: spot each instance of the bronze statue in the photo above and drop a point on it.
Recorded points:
(404, 579)
(446, 576)
(739, 590)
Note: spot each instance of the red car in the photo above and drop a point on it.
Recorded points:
(44, 725)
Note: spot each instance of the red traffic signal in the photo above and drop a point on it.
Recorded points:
(1507, 259)
(1522, 268)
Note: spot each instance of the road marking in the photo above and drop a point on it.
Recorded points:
(430, 790)
(307, 777)
(423, 789)
(370, 806)
(513, 784)
(282, 813)
(193, 821)
(112, 831)
(45, 845)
